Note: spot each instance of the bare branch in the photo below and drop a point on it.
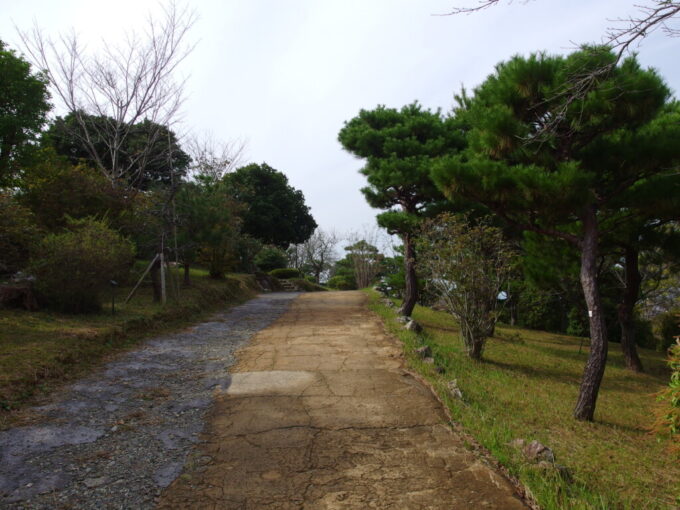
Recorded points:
(214, 159)
(109, 92)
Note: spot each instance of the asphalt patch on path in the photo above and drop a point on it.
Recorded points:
(115, 439)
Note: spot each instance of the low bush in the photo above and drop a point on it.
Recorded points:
(270, 258)
(666, 327)
(667, 412)
(73, 268)
(285, 273)
(340, 282)
(18, 232)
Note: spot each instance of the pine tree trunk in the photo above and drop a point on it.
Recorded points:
(626, 310)
(411, 292)
(187, 276)
(594, 370)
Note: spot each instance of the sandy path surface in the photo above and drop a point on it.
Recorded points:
(319, 414)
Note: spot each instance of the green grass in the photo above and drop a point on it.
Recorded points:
(41, 350)
(526, 387)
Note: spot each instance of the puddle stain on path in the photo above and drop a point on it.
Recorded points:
(319, 414)
(116, 438)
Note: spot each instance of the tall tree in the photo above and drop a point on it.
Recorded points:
(150, 155)
(399, 147)
(316, 254)
(562, 185)
(208, 226)
(366, 262)
(24, 103)
(110, 93)
(646, 236)
(276, 212)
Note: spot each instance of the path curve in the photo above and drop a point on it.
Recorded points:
(114, 439)
(320, 414)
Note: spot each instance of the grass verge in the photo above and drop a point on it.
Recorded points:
(41, 350)
(526, 388)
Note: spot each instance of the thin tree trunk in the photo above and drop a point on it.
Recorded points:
(156, 281)
(187, 276)
(411, 292)
(594, 370)
(626, 308)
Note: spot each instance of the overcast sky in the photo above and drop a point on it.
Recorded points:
(286, 74)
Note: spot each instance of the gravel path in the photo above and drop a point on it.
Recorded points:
(115, 439)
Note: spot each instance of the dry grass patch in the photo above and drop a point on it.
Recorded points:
(39, 350)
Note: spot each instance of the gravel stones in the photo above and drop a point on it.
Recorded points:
(116, 438)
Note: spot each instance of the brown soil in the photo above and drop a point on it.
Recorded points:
(320, 414)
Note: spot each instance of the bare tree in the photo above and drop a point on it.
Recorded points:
(364, 255)
(652, 16)
(212, 158)
(107, 93)
(317, 253)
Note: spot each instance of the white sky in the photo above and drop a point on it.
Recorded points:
(286, 74)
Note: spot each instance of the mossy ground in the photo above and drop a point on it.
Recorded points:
(526, 387)
(41, 350)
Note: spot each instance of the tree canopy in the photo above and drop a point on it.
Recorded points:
(276, 212)
(24, 103)
(148, 154)
(399, 147)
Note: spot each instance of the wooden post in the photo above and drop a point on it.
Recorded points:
(132, 292)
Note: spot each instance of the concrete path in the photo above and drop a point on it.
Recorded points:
(319, 414)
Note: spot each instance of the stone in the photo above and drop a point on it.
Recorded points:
(414, 326)
(454, 390)
(424, 351)
(429, 360)
(403, 319)
(91, 483)
(536, 451)
(518, 443)
(552, 468)
(439, 370)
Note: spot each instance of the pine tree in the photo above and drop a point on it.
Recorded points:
(565, 181)
(399, 147)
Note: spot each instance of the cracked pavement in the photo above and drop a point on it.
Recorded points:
(319, 413)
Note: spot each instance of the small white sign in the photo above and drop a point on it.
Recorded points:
(590, 313)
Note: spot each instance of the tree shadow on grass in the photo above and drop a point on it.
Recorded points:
(535, 372)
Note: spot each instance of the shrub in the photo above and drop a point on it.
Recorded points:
(666, 328)
(270, 258)
(285, 273)
(577, 325)
(467, 264)
(667, 412)
(341, 282)
(73, 268)
(644, 335)
(17, 234)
